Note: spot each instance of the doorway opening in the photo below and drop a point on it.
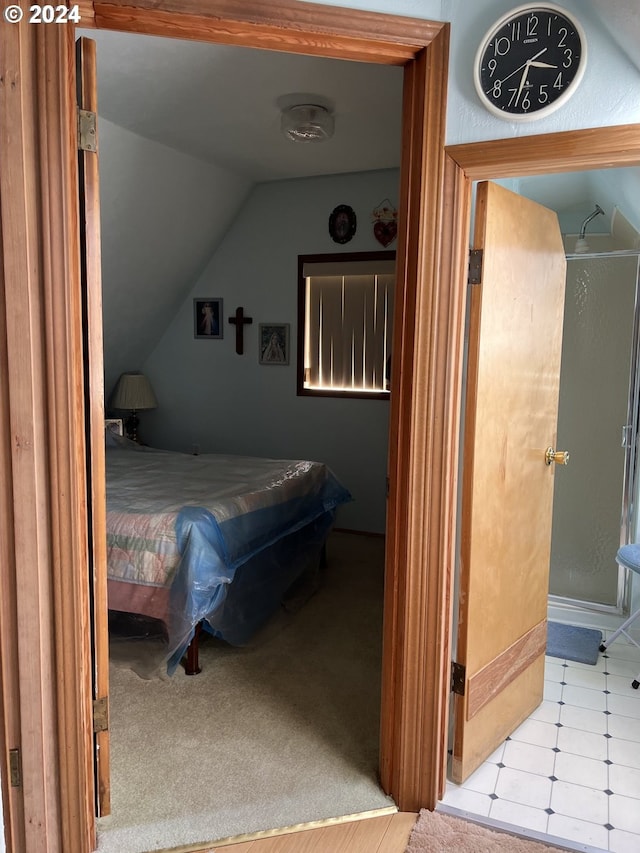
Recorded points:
(349, 418)
(595, 498)
(555, 774)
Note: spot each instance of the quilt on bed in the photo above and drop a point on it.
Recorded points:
(189, 523)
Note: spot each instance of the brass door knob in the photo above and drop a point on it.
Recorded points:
(560, 457)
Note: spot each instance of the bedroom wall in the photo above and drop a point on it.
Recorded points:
(220, 401)
(161, 219)
(173, 202)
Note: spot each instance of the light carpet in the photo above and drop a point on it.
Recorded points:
(282, 732)
(442, 833)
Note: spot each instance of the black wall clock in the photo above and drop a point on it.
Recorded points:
(530, 62)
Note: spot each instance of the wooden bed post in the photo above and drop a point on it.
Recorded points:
(192, 660)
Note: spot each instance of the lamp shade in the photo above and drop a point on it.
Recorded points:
(133, 392)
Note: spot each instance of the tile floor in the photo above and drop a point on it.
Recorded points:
(572, 770)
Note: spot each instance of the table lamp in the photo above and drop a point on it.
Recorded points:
(133, 393)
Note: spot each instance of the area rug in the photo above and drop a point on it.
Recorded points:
(572, 643)
(443, 833)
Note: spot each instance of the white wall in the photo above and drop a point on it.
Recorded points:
(607, 96)
(210, 396)
(161, 217)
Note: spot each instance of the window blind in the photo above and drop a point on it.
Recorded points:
(348, 326)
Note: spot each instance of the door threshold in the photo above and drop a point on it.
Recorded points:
(213, 846)
(519, 831)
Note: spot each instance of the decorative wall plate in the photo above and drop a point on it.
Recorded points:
(342, 223)
(385, 222)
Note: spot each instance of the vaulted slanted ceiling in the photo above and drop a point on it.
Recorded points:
(186, 131)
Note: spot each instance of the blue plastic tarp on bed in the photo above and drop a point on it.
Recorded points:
(226, 536)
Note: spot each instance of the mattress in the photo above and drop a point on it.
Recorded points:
(180, 529)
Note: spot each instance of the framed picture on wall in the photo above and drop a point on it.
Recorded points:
(114, 425)
(274, 343)
(207, 318)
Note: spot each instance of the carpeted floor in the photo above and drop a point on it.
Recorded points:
(282, 732)
(442, 833)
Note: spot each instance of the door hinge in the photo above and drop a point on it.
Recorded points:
(458, 676)
(475, 266)
(100, 715)
(87, 138)
(15, 768)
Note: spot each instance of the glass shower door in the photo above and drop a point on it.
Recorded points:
(593, 493)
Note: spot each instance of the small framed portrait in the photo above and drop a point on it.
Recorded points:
(114, 425)
(207, 318)
(274, 343)
(342, 223)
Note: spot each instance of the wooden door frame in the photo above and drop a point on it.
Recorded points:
(38, 178)
(570, 151)
(422, 47)
(54, 807)
(45, 674)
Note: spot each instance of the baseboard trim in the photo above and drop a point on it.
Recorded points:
(518, 831)
(359, 532)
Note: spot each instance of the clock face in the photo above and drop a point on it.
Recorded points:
(530, 62)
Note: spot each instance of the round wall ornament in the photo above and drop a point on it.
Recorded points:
(342, 223)
(530, 62)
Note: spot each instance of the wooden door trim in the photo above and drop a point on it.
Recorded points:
(89, 196)
(407, 734)
(283, 25)
(44, 528)
(408, 729)
(571, 151)
(423, 449)
(576, 150)
(406, 743)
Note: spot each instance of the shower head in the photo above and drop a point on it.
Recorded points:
(581, 244)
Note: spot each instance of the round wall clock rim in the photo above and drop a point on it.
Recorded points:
(564, 97)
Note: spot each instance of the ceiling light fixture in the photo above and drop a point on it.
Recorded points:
(307, 123)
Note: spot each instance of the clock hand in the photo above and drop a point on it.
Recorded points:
(544, 50)
(523, 80)
(542, 65)
(528, 62)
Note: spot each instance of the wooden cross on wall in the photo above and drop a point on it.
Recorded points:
(239, 322)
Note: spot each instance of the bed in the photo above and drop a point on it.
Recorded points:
(213, 540)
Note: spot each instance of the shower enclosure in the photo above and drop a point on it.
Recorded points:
(595, 495)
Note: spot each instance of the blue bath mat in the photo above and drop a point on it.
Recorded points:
(572, 643)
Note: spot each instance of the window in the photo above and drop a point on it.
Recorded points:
(345, 310)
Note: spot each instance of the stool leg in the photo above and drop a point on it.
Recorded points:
(622, 630)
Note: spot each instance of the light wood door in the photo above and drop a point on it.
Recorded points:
(89, 189)
(515, 339)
